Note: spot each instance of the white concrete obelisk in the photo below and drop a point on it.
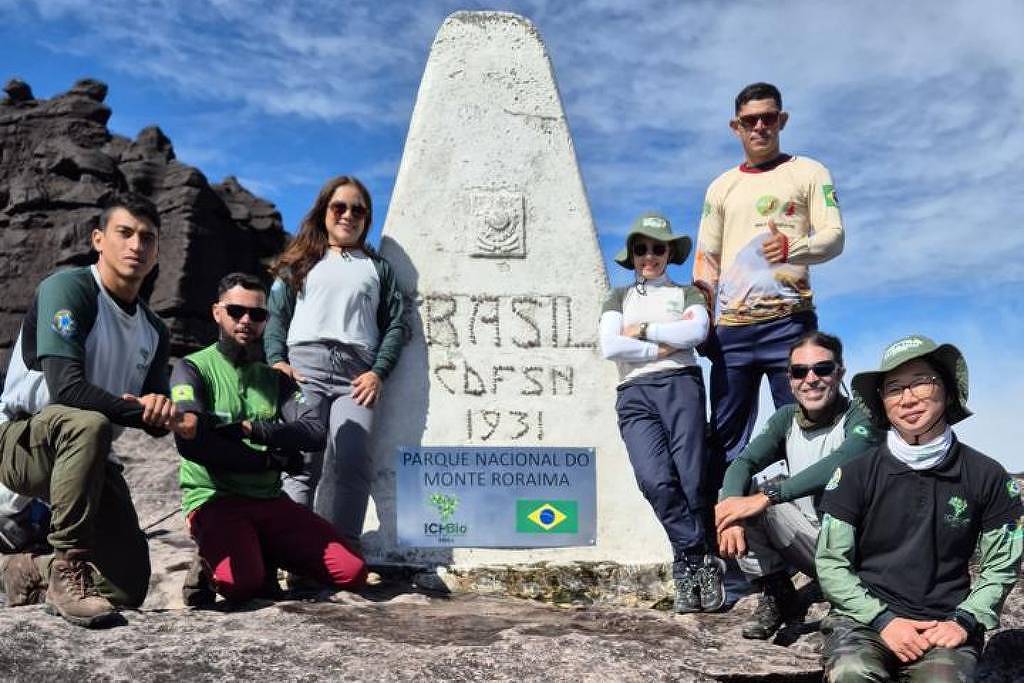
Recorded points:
(490, 232)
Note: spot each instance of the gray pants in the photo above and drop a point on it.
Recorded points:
(336, 483)
(781, 536)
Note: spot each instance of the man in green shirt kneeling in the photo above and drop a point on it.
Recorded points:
(776, 528)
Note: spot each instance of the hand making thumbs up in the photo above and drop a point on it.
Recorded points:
(775, 248)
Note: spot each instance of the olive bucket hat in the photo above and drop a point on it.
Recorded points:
(946, 357)
(656, 227)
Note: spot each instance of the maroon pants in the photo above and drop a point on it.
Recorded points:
(236, 535)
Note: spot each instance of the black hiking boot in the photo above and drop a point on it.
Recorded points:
(777, 601)
(198, 590)
(711, 581)
(687, 591)
(21, 581)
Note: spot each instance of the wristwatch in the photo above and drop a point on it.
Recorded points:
(643, 332)
(772, 491)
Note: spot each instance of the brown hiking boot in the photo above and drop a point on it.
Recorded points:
(73, 595)
(21, 580)
(198, 590)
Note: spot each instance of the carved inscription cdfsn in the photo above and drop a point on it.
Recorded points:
(514, 389)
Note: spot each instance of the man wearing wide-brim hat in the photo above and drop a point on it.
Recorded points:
(901, 523)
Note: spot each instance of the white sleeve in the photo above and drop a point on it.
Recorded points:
(685, 333)
(615, 346)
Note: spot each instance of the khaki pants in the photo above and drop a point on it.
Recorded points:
(780, 536)
(61, 455)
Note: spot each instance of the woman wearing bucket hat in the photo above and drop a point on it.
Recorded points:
(901, 524)
(650, 330)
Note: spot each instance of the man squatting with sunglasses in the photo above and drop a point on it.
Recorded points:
(763, 224)
(245, 423)
(776, 527)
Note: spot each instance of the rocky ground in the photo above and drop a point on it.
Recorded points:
(403, 630)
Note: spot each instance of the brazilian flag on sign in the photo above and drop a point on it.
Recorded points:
(547, 517)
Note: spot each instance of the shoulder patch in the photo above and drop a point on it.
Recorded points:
(833, 482)
(861, 430)
(182, 392)
(1013, 488)
(299, 397)
(64, 323)
(707, 209)
(831, 198)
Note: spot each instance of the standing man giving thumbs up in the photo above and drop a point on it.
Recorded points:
(763, 224)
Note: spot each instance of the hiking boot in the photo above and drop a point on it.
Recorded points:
(687, 592)
(72, 593)
(198, 591)
(21, 580)
(777, 601)
(711, 583)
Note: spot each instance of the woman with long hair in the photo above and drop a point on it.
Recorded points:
(336, 327)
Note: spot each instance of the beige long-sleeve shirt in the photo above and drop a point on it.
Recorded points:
(798, 194)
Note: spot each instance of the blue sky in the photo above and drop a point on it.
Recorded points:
(913, 106)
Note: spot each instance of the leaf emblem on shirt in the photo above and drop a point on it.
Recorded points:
(957, 516)
(833, 482)
(1013, 487)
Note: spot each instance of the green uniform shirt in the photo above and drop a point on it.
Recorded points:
(250, 391)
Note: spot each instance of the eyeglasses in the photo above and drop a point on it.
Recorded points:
(640, 249)
(920, 388)
(237, 312)
(823, 368)
(339, 209)
(768, 118)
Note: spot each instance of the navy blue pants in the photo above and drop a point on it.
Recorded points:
(740, 356)
(662, 422)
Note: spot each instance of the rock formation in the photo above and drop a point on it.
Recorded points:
(59, 162)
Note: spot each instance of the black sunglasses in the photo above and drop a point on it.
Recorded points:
(339, 209)
(768, 118)
(640, 249)
(236, 311)
(824, 368)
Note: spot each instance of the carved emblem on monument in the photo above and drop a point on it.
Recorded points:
(501, 224)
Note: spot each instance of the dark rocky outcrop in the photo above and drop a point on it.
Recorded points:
(59, 162)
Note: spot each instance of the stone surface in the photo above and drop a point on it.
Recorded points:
(505, 286)
(410, 629)
(59, 162)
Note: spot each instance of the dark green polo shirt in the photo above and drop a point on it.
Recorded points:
(917, 530)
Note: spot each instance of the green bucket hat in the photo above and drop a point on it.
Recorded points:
(656, 227)
(867, 385)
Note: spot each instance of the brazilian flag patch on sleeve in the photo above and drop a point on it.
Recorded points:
(181, 393)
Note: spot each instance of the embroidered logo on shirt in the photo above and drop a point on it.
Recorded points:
(300, 398)
(831, 198)
(1013, 487)
(767, 204)
(957, 515)
(707, 209)
(833, 483)
(861, 430)
(64, 323)
(182, 392)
